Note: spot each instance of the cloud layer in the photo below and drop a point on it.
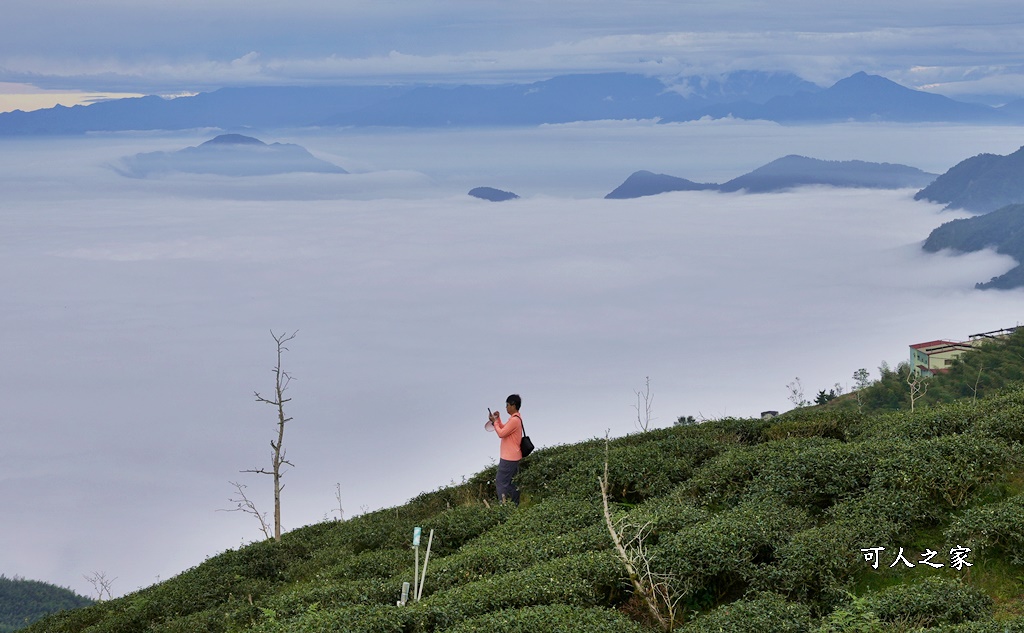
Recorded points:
(138, 317)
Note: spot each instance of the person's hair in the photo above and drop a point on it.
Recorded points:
(515, 401)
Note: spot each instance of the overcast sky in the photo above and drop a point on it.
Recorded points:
(147, 46)
(137, 315)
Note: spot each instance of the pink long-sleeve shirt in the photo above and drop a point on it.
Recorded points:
(511, 434)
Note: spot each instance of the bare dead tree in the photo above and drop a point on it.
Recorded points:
(654, 589)
(981, 367)
(796, 393)
(918, 387)
(101, 585)
(277, 458)
(644, 402)
(244, 504)
(337, 495)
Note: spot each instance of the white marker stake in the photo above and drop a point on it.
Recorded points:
(426, 558)
(416, 574)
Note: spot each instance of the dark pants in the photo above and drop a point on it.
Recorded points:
(506, 489)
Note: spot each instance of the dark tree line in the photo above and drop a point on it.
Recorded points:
(25, 601)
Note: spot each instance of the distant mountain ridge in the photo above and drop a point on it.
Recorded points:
(782, 97)
(860, 97)
(981, 183)
(228, 155)
(784, 173)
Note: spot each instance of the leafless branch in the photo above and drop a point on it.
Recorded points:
(244, 504)
(101, 585)
(644, 403)
(654, 589)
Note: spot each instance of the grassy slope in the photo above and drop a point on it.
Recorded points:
(760, 525)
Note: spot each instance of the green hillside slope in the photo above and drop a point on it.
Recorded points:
(748, 524)
(25, 601)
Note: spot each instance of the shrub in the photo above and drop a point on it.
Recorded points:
(384, 529)
(767, 612)
(1015, 625)
(853, 617)
(813, 422)
(548, 530)
(946, 470)
(584, 580)
(540, 475)
(933, 601)
(723, 480)
(819, 565)
(636, 472)
(998, 525)
(209, 621)
(1002, 416)
(668, 514)
(300, 597)
(893, 512)
(717, 558)
(747, 431)
(556, 618)
(362, 618)
(925, 423)
(818, 475)
(456, 526)
(369, 564)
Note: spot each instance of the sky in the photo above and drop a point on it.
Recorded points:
(138, 315)
(62, 50)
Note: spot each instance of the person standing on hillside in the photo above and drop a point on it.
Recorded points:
(511, 435)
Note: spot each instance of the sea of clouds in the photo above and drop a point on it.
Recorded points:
(137, 314)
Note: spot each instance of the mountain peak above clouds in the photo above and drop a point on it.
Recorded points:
(782, 174)
(233, 139)
(227, 155)
(981, 184)
(859, 97)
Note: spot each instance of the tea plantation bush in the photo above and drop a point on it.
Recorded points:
(719, 557)
(933, 601)
(362, 618)
(724, 480)
(817, 566)
(369, 565)
(813, 422)
(556, 618)
(635, 471)
(999, 526)
(587, 580)
(1015, 625)
(668, 514)
(945, 470)
(767, 612)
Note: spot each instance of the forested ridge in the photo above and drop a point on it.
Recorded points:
(854, 516)
(25, 601)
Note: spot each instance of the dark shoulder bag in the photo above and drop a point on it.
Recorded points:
(525, 445)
